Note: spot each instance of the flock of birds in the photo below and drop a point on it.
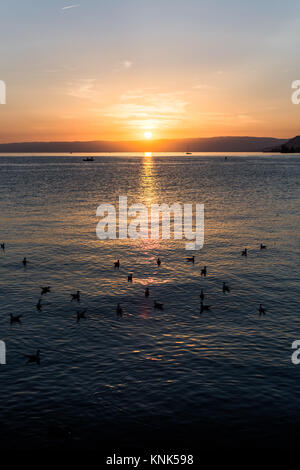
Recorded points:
(35, 358)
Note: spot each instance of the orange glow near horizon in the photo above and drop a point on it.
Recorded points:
(79, 112)
(142, 83)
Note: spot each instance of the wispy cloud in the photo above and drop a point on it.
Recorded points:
(82, 88)
(230, 119)
(148, 109)
(201, 86)
(127, 64)
(71, 6)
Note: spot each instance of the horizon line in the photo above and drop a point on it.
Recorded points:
(143, 140)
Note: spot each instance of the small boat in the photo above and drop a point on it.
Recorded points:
(188, 151)
(88, 159)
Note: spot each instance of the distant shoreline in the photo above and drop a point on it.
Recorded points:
(211, 144)
(83, 155)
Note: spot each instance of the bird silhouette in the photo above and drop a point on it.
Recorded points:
(225, 288)
(204, 308)
(81, 315)
(45, 290)
(33, 358)
(15, 318)
(75, 296)
(158, 305)
(261, 310)
(119, 310)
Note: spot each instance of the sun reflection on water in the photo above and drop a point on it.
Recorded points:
(148, 195)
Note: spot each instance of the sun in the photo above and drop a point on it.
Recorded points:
(148, 135)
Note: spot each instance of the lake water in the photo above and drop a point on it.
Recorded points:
(174, 377)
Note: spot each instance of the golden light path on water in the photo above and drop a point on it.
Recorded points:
(148, 196)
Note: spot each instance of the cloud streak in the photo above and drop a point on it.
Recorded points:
(83, 88)
(143, 109)
(127, 64)
(68, 7)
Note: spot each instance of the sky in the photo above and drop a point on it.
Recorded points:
(115, 69)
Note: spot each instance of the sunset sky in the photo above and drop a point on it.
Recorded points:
(115, 69)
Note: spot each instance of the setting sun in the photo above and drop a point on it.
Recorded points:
(148, 135)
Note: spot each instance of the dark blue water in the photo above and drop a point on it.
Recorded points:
(224, 377)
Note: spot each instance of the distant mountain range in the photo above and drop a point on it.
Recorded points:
(211, 144)
(289, 146)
